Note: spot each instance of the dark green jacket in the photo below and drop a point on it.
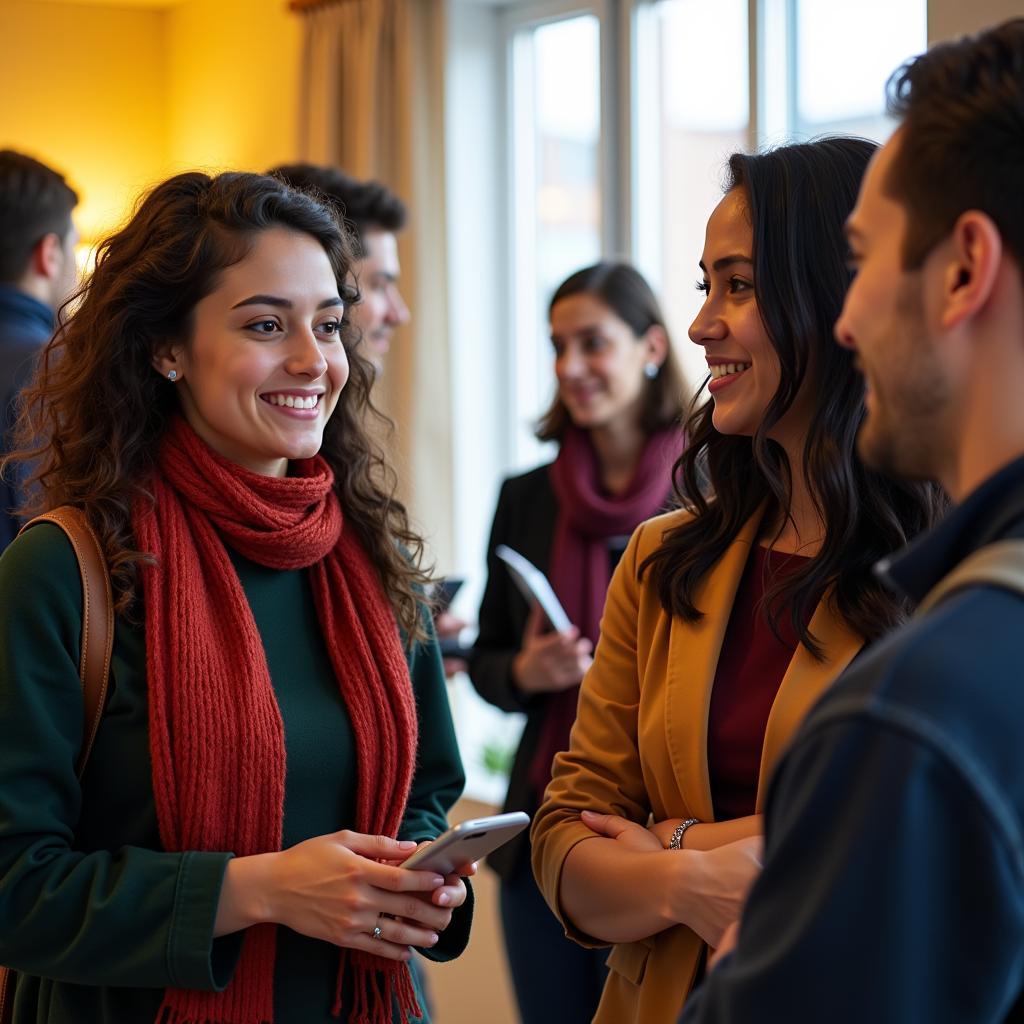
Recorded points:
(94, 914)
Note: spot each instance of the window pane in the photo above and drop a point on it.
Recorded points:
(845, 54)
(568, 91)
(558, 217)
(701, 83)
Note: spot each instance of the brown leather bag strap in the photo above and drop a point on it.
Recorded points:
(97, 617)
(94, 661)
(999, 564)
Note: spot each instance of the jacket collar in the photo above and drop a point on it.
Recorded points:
(993, 510)
(18, 308)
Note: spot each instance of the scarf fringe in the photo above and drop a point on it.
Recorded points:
(377, 985)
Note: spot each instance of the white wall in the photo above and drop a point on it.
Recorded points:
(948, 19)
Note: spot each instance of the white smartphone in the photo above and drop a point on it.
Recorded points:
(467, 842)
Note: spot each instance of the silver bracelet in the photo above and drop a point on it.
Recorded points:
(676, 842)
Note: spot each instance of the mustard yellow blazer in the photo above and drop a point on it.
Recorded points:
(639, 747)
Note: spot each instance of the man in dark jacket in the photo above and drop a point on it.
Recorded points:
(37, 273)
(893, 882)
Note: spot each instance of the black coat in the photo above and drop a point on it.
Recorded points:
(524, 520)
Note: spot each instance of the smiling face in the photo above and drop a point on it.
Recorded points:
(909, 389)
(743, 363)
(264, 367)
(381, 309)
(599, 362)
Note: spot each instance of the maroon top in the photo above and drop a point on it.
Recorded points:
(750, 669)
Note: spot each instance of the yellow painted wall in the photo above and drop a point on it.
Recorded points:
(119, 97)
(233, 72)
(83, 90)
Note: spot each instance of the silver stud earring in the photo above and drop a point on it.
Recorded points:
(651, 370)
(172, 375)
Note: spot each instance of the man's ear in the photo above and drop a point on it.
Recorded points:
(974, 255)
(656, 341)
(47, 259)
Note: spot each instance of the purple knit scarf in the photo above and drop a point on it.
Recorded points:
(588, 519)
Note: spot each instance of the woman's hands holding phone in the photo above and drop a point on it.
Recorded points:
(448, 896)
(339, 888)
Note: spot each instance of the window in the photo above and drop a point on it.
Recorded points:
(839, 88)
(710, 80)
(582, 129)
(556, 173)
(693, 105)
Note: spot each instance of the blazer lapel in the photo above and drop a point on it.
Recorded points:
(804, 682)
(692, 663)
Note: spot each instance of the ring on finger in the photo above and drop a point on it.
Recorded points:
(376, 931)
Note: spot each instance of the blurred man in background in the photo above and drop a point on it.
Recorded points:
(37, 273)
(376, 214)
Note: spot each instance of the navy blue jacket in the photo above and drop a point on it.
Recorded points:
(25, 326)
(893, 883)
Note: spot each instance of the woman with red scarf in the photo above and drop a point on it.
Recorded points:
(616, 420)
(276, 739)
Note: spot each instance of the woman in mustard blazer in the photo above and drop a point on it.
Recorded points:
(725, 620)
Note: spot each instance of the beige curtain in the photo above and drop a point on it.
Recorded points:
(371, 103)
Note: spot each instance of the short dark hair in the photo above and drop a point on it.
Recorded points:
(35, 201)
(961, 144)
(364, 204)
(624, 291)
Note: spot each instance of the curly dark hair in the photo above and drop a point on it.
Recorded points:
(101, 409)
(798, 198)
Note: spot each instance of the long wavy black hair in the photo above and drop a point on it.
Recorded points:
(95, 411)
(797, 198)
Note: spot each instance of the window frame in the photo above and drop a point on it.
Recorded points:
(517, 21)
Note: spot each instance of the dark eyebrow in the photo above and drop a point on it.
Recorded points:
(273, 300)
(726, 261)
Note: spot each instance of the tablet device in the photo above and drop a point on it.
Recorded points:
(467, 842)
(534, 587)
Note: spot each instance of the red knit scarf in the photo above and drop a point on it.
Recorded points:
(216, 736)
